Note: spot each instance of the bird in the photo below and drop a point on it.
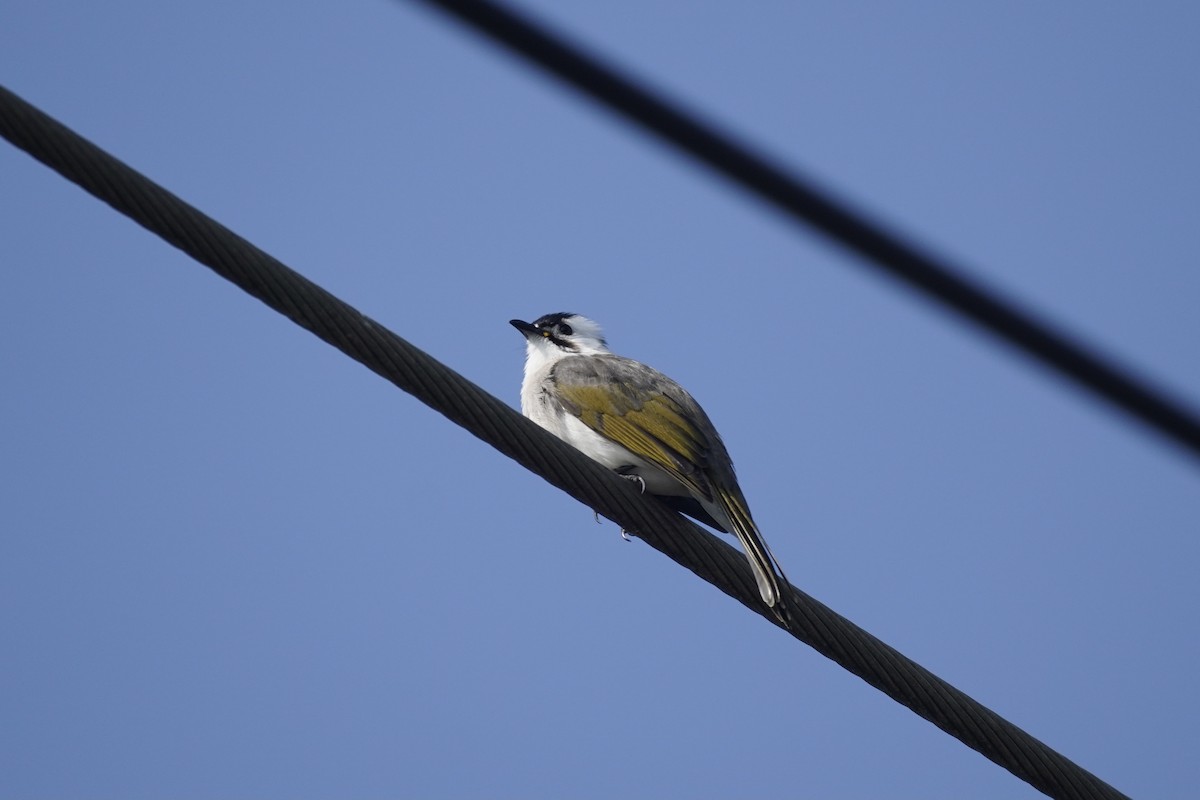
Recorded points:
(642, 425)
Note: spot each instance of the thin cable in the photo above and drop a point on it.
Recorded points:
(803, 201)
(491, 420)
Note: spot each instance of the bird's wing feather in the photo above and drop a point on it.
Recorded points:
(640, 409)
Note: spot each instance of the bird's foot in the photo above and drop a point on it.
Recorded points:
(628, 474)
(624, 533)
(627, 471)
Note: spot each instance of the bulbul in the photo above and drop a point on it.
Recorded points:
(638, 422)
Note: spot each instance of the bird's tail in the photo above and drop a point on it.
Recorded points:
(767, 573)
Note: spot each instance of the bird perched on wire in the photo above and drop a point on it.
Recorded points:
(641, 424)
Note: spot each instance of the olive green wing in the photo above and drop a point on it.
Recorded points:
(649, 414)
(642, 410)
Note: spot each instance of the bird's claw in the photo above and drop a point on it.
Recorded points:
(624, 533)
(627, 474)
(638, 479)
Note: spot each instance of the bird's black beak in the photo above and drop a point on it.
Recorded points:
(525, 328)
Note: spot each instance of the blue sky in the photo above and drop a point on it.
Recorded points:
(236, 564)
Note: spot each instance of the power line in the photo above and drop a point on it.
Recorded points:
(804, 202)
(491, 420)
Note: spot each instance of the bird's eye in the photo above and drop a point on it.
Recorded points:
(565, 329)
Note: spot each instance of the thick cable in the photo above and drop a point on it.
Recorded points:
(803, 201)
(491, 420)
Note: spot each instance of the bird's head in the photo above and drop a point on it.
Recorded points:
(557, 335)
